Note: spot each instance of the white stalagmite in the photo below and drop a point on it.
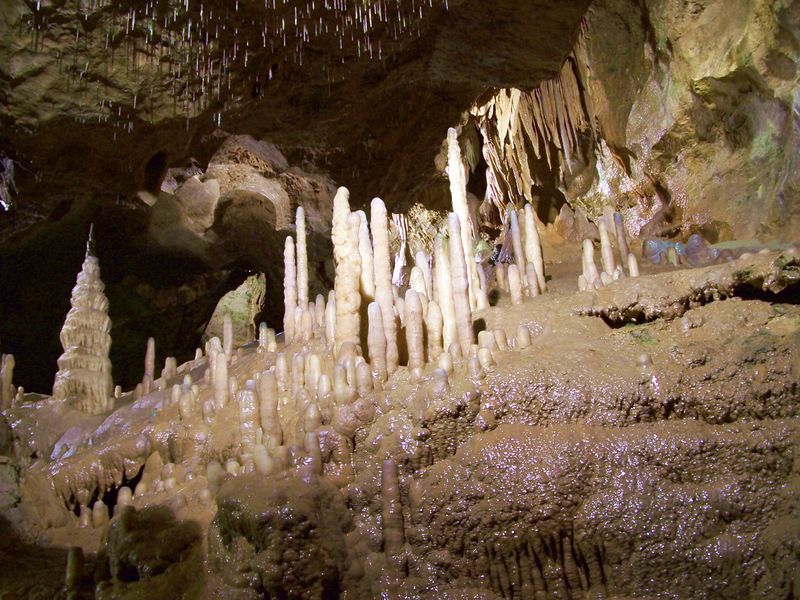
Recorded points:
(302, 258)
(367, 260)
(348, 276)
(248, 416)
(415, 334)
(533, 246)
(379, 223)
(633, 265)
(149, 365)
(422, 262)
(220, 382)
(433, 325)
(330, 320)
(444, 284)
(458, 272)
(516, 241)
(606, 249)
(458, 191)
(501, 275)
(532, 280)
(515, 284)
(268, 406)
(84, 369)
(376, 341)
(590, 272)
(289, 290)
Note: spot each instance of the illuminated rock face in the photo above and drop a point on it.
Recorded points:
(84, 369)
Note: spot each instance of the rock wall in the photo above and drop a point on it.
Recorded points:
(685, 119)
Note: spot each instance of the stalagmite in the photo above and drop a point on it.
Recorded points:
(415, 336)
(446, 362)
(485, 358)
(383, 280)
(84, 369)
(311, 445)
(330, 320)
(319, 311)
(248, 416)
(475, 369)
(312, 419)
(516, 241)
(282, 371)
(364, 381)
(523, 337)
(515, 284)
(458, 191)
(532, 280)
(458, 272)
(302, 257)
(220, 383)
(444, 284)
(268, 406)
(149, 366)
(392, 512)
(589, 267)
(342, 391)
(417, 283)
(124, 496)
(313, 371)
(633, 265)
(262, 461)
(606, 249)
(289, 290)
(325, 397)
(501, 274)
(622, 240)
(533, 246)
(348, 275)
(422, 262)
(367, 260)
(376, 342)
(99, 514)
(262, 336)
(433, 326)
(6, 381)
(306, 326)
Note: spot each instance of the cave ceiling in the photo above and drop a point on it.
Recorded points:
(93, 90)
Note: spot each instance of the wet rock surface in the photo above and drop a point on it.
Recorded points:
(652, 459)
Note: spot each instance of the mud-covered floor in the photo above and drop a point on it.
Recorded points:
(644, 444)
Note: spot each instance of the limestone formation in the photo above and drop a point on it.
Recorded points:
(460, 279)
(84, 369)
(289, 289)
(384, 296)
(458, 192)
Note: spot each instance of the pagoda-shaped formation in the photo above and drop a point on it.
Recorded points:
(84, 369)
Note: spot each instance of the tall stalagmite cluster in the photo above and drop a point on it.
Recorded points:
(84, 369)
